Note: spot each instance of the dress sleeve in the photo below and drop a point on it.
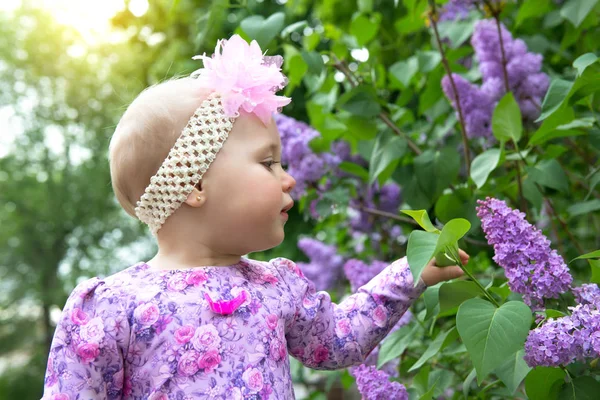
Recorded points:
(87, 351)
(325, 335)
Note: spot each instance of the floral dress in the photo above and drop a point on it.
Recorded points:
(214, 332)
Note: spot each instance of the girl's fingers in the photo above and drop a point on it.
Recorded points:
(464, 257)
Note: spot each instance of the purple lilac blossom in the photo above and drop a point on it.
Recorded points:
(358, 272)
(306, 166)
(455, 10)
(476, 104)
(563, 340)
(525, 80)
(325, 264)
(588, 293)
(531, 266)
(374, 384)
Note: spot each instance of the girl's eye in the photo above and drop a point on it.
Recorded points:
(269, 163)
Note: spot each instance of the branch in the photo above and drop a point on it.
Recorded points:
(432, 18)
(354, 82)
(411, 221)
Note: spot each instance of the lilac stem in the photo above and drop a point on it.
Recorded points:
(432, 18)
(340, 66)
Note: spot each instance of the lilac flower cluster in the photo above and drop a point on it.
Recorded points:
(564, 340)
(525, 80)
(532, 268)
(359, 273)
(306, 166)
(588, 293)
(455, 10)
(325, 264)
(375, 385)
(477, 103)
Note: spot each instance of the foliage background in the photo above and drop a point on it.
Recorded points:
(61, 95)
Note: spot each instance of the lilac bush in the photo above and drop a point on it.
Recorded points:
(531, 266)
(523, 73)
(374, 384)
(564, 340)
(523, 68)
(325, 264)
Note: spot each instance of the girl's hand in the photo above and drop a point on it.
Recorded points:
(432, 274)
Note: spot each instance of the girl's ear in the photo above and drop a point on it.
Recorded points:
(197, 197)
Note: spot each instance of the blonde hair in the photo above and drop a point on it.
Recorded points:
(145, 134)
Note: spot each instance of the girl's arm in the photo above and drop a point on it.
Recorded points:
(86, 355)
(325, 335)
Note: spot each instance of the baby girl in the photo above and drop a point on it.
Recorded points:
(197, 159)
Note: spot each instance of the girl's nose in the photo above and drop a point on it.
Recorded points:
(288, 182)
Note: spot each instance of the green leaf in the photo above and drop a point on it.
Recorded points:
(421, 247)
(548, 129)
(395, 344)
(360, 101)
(422, 218)
(593, 254)
(296, 26)
(428, 60)
(513, 371)
(361, 128)
(506, 120)
(582, 388)
(585, 123)
(576, 10)
(556, 94)
(453, 294)
(363, 29)
(261, 29)
(549, 173)
(483, 165)
(544, 383)
(456, 31)
(583, 61)
(492, 335)
(584, 207)
(314, 61)
(595, 267)
(354, 169)
(554, 313)
(431, 300)
(467, 383)
(365, 6)
(388, 148)
(441, 340)
(452, 232)
(532, 8)
(404, 71)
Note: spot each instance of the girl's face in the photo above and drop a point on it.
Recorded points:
(247, 189)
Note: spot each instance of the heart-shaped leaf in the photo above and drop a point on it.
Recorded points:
(422, 218)
(513, 371)
(492, 335)
(421, 247)
(483, 165)
(506, 120)
(263, 30)
(544, 383)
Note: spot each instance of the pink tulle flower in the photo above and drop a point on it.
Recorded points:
(245, 79)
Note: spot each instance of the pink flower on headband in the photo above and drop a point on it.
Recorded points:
(244, 78)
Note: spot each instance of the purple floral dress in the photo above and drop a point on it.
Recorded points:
(214, 332)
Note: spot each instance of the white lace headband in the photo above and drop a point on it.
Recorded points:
(242, 80)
